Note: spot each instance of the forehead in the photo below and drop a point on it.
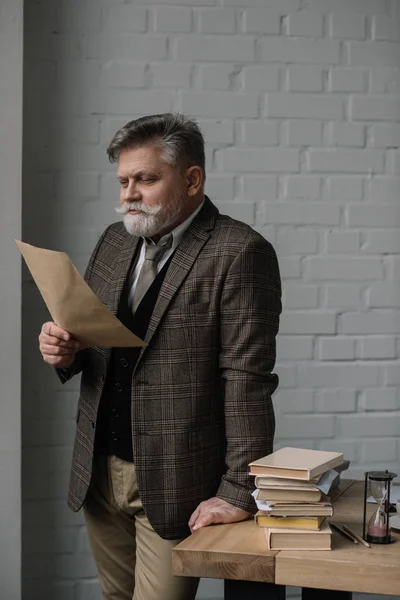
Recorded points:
(143, 158)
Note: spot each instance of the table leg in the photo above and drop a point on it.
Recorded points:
(253, 590)
(313, 594)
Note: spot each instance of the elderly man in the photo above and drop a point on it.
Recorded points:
(165, 433)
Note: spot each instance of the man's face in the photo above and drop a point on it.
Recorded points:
(151, 193)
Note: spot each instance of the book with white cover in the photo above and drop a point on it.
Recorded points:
(296, 463)
(299, 539)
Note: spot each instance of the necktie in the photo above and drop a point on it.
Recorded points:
(148, 272)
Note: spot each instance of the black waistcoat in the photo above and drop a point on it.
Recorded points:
(114, 430)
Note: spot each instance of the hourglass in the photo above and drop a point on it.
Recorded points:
(378, 484)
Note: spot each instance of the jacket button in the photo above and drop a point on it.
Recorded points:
(124, 362)
(118, 387)
(114, 436)
(115, 413)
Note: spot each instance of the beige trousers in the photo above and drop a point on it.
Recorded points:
(133, 561)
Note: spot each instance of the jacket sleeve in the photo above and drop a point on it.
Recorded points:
(66, 374)
(250, 310)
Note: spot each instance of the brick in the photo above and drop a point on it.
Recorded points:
(379, 450)
(385, 28)
(287, 375)
(393, 263)
(123, 102)
(77, 16)
(88, 590)
(342, 242)
(215, 48)
(300, 296)
(385, 135)
(125, 45)
(336, 401)
(217, 132)
(125, 18)
(263, 78)
(345, 188)
(362, 426)
(377, 109)
(384, 80)
(393, 162)
(347, 134)
(347, 26)
(382, 242)
(305, 23)
(305, 79)
(369, 7)
(305, 187)
(217, 77)
(392, 374)
(369, 216)
(217, 20)
(294, 401)
(304, 213)
(290, 267)
(328, 375)
(304, 106)
(123, 74)
(369, 54)
(220, 187)
(304, 133)
(252, 161)
(381, 399)
(242, 211)
(171, 74)
(336, 348)
(294, 348)
(349, 448)
(297, 241)
(346, 161)
(173, 18)
(258, 133)
(307, 323)
(219, 104)
(256, 187)
(261, 20)
(343, 269)
(377, 347)
(344, 79)
(74, 566)
(194, 3)
(289, 50)
(375, 322)
(344, 296)
(315, 426)
(50, 433)
(284, 6)
(384, 295)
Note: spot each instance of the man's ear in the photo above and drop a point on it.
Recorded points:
(194, 180)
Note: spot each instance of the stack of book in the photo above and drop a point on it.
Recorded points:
(292, 508)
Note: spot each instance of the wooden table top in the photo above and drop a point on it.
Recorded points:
(238, 551)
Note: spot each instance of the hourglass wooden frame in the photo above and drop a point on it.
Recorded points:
(386, 481)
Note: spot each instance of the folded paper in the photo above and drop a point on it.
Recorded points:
(71, 303)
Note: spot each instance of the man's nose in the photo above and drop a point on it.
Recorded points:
(131, 193)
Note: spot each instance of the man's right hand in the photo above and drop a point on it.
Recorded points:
(57, 346)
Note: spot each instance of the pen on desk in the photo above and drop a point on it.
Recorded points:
(343, 532)
(357, 537)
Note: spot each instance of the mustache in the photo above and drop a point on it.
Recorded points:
(127, 206)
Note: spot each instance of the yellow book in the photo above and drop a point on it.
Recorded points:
(310, 523)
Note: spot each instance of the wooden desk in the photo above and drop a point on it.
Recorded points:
(238, 554)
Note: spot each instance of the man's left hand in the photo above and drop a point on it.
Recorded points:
(216, 510)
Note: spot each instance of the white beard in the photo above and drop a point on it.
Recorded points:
(151, 219)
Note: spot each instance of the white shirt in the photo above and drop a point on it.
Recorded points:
(177, 235)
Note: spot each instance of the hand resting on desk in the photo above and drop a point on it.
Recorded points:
(214, 511)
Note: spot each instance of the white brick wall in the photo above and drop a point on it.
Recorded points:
(299, 104)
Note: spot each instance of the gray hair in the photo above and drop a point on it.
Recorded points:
(179, 138)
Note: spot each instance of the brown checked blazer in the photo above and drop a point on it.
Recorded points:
(201, 390)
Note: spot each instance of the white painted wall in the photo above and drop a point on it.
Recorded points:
(299, 103)
(11, 42)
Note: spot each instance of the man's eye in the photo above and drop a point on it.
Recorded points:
(123, 183)
(148, 180)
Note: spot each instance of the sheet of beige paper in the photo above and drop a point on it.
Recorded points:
(71, 302)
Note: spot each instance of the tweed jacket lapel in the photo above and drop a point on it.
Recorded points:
(121, 270)
(181, 264)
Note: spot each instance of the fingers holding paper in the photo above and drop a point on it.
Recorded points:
(56, 345)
